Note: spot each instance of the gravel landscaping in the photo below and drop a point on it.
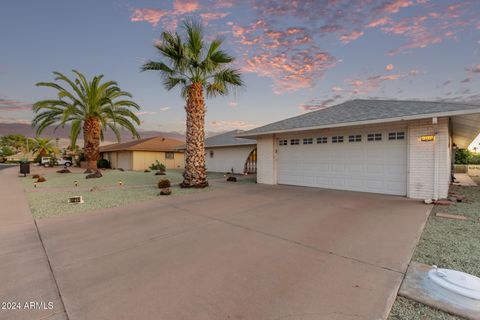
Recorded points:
(447, 243)
(49, 198)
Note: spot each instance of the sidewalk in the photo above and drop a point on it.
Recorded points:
(463, 179)
(27, 283)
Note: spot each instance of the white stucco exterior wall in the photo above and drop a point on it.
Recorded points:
(226, 158)
(266, 162)
(429, 162)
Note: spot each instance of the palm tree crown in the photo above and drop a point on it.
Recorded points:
(196, 68)
(43, 146)
(90, 106)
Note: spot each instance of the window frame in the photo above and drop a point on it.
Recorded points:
(337, 139)
(168, 154)
(355, 138)
(322, 140)
(283, 142)
(396, 135)
(374, 137)
(294, 142)
(307, 141)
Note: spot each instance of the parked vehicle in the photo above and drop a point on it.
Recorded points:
(50, 162)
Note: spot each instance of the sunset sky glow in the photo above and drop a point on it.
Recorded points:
(295, 55)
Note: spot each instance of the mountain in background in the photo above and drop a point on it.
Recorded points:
(64, 133)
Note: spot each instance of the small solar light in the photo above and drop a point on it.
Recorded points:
(120, 183)
(75, 183)
(34, 184)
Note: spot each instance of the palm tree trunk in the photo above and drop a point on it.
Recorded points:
(91, 134)
(195, 175)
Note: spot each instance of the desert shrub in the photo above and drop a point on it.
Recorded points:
(463, 156)
(165, 192)
(158, 166)
(146, 170)
(164, 183)
(41, 179)
(103, 164)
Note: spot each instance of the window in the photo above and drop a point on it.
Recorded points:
(337, 139)
(355, 138)
(282, 142)
(211, 153)
(169, 155)
(322, 140)
(294, 141)
(374, 137)
(396, 136)
(307, 141)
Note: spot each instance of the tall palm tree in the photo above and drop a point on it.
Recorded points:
(198, 69)
(43, 147)
(91, 107)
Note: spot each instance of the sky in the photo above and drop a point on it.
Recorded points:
(295, 55)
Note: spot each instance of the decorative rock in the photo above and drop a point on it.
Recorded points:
(443, 202)
(461, 198)
(94, 175)
(41, 179)
(35, 176)
(428, 201)
(165, 192)
(146, 170)
(232, 179)
(120, 169)
(95, 188)
(64, 170)
(451, 216)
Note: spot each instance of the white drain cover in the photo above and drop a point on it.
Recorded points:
(458, 282)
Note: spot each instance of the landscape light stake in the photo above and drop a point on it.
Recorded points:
(75, 183)
(120, 183)
(34, 184)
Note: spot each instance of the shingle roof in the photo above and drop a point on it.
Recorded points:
(147, 144)
(362, 111)
(228, 139)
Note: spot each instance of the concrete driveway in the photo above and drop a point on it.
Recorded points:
(239, 252)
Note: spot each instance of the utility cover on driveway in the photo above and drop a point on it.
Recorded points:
(239, 252)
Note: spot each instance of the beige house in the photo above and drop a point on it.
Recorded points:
(381, 146)
(139, 155)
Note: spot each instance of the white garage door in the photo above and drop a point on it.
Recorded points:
(369, 162)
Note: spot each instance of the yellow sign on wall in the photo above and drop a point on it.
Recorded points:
(427, 138)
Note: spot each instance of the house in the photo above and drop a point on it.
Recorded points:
(140, 154)
(226, 152)
(382, 146)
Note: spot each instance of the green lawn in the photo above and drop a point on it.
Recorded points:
(448, 244)
(50, 197)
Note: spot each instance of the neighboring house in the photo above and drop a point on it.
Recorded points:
(225, 152)
(381, 146)
(141, 154)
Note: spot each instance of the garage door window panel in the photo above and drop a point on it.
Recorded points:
(337, 139)
(294, 142)
(322, 140)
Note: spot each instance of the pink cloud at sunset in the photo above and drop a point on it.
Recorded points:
(231, 124)
(185, 6)
(149, 15)
(389, 67)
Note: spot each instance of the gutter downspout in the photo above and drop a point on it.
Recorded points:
(435, 158)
